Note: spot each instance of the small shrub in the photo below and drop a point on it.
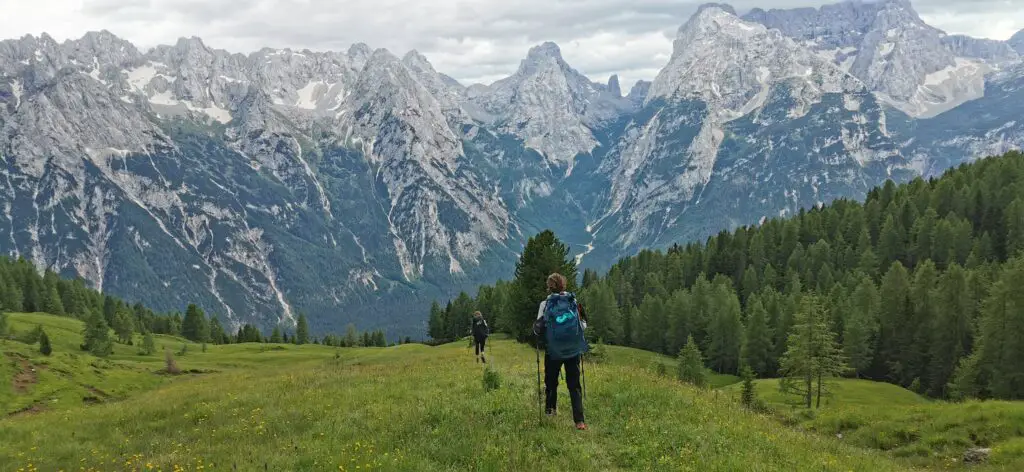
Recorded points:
(492, 380)
(184, 350)
(749, 396)
(171, 366)
(204, 347)
(598, 353)
(659, 369)
(44, 343)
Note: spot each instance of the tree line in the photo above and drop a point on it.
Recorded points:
(109, 320)
(919, 285)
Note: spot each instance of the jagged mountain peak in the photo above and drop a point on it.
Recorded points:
(718, 6)
(546, 49)
(1017, 42)
(714, 45)
(416, 61)
(910, 64)
(613, 86)
(548, 104)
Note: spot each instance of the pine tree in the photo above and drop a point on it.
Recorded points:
(3, 325)
(543, 255)
(951, 330)
(148, 345)
(44, 343)
(726, 332)
(602, 312)
(123, 326)
(895, 311)
(812, 354)
(302, 330)
(861, 327)
(649, 326)
(275, 335)
(51, 302)
(757, 340)
(435, 325)
(748, 395)
(351, 338)
(1000, 365)
(195, 327)
(97, 336)
(459, 318)
(691, 364)
(217, 333)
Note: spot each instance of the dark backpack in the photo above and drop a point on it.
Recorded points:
(562, 328)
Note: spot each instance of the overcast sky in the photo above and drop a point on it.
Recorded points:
(471, 40)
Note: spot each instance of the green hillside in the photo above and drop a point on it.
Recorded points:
(889, 418)
(409, 407)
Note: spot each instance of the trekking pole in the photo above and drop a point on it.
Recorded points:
(583, 374)
(540, 407)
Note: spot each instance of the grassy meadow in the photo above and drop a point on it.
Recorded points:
(415, 407)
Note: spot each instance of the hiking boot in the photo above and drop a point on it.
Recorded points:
(552, 413)
(581, 426)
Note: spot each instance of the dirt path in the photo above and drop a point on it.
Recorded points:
(26, 377)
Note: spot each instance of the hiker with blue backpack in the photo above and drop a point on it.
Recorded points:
(559, 325)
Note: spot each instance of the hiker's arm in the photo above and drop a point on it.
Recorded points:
(540, 311)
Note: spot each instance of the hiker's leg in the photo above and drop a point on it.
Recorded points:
(572, 380)
(483, 344)
(551, 368)
(476, 346)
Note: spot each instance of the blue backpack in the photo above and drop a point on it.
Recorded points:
(563, 329)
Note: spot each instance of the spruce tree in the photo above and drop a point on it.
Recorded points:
(351, 337)
(435, 324)
(602, 312)
(748, 395)
(812, 354)
(302, 330)
(44, 343)
(97, 336)
(123, 325)
(691, 364)
(726, 332)
(951, 330)
(860, 330)
(757, 340)
(1001, 355)
(275, 335)
(148, 345)
(543, 255)
(217, 333)
(3, 324)
(194, 327)
(649, 325)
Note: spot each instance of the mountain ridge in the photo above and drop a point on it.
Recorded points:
(290, 181)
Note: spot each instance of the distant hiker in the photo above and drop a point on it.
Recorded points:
(480, 333)
(560, 324)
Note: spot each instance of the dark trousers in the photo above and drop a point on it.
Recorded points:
(479, 344)
(572, 380)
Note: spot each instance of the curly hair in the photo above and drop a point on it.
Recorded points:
(556, 283)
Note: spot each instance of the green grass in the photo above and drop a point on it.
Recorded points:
(409, 407)
(922, 432)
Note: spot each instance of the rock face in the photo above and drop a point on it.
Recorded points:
(913, 66)
(356, 186)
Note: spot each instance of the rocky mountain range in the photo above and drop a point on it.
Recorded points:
(357, 186)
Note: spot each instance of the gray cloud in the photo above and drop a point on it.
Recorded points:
(471, 40)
